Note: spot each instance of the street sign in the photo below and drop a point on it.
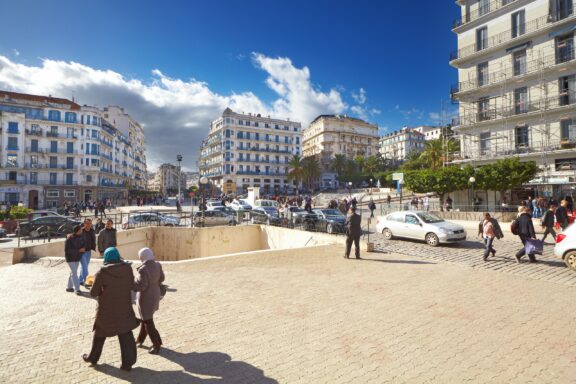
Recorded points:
(398, 176)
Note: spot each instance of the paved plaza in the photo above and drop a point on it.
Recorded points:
(407, 314)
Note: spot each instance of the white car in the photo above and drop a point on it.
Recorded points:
(266, 203)
(420, 226)
(211, 204)
(565, 248)
(240, 205)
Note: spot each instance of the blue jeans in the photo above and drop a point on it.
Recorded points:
(488, 243)
(84, 262)
(73, 278)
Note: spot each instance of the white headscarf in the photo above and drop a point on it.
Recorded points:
(145, 254)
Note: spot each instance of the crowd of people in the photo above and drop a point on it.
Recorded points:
(78, 208)
(112, 286)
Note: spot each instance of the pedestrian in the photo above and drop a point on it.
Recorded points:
(562, 215)
(114, 314)
(426, 203)
(414, 203)
(449, 204)
(89, 245)
(371, 207)
(353, 232)
(107, 237)
(388, 200)
(525, 232)
(102, 209)
(73, 250)
(490, 231)
(147, 286)
(99, 225)
(548, 223)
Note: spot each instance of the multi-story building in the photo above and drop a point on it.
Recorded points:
(249, 150)
(398, 145)
(165, 180)
(430, 132)
(53, 150)
(517, 86)
(331, 135)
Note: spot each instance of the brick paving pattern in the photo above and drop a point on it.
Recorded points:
(311, 317)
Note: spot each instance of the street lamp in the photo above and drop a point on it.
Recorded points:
(472, 180)
(203, 182)
(350, 188)
(179, 160)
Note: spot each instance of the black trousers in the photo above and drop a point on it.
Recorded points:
(147, 327)
(356, 240)
(127, 349)
(549, 230)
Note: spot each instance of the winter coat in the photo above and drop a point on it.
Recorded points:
(353, 225)
(496, 226)
(525, 226)
(562, 216)
(89, 239)
(548, 219)
(147, 286)
(106, 239)
(113, 288)
(72, 248)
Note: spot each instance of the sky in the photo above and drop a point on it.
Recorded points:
(176, 65)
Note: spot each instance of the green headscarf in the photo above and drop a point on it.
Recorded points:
(111, 256)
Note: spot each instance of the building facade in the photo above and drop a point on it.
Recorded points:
(249, 150)
(430, 132)
(53, 150)
(517, 86)
(165, 180)
(398, 145)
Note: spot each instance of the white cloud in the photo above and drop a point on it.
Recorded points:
(175, 112)
(434, 116)
(360, 97)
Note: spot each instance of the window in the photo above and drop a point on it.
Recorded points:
(522, 138)
(69, 178)
(34, 145)
(70, 132)
(411, 219)
(567, 85)
(482, 71)
(12, 160)
(481, 38)
(69, 147)
(54, 131)
(521, 100)
(567, 129)
(519, 63)
(94, 134)
(53, 193)
(518, 23)
(70, 162)
(12, 127)
(34, 161)
(33, 177)
(69, 193)
(89, 178)
(483, 7)
(53, 162)
(54, 115)
(483, 109)
(53, 147)
(12, 144)
(70, 117)
(564, 48)
(560, 9)
(484, 142)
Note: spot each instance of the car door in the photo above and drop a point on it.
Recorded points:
(413, 227)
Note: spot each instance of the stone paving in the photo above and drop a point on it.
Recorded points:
(310, 317)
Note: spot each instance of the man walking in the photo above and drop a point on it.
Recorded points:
(89, 245)
(490, 230)
(371, 207)
(548, 223)
(526, 232)
(107, 238)
(353, 232)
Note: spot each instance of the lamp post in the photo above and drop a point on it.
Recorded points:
(350, 188)
(203, 182)
(472, 180)
(179, 160)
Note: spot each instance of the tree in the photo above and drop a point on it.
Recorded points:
(360, 161)
(440, 181)
(310, 170)
(372, 165)
(339, 164)
(505, 174)
(296, 172)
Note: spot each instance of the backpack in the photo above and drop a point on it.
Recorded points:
(515, 227)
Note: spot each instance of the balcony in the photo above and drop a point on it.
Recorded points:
(34, 132)
(11, 165)
(522, 110)
(481, 11)
(502, 38)
(12, 148)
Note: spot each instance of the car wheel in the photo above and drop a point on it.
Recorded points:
(432, 239)
(387, 234)
(232, 223)
(570, 260)
(329, 228)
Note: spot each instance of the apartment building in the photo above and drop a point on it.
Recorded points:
(250, 150)
(165, 180)
(398, 145)
(430, 132)
(517, 86)
(53, 150)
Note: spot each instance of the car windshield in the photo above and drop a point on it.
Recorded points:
(215, 203)
(429, 218)
(332, 212)
(296, 209)
(243, 202)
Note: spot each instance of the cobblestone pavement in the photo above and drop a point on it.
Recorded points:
(469, 254)
(308, 316)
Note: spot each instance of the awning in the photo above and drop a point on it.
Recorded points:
(519, 47)
(563, 31)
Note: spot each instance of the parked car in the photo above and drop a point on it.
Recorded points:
(215, 217)
(330, 220)
(222, 208)
(565, 247)
(295, 215)
(240, 205)
(36, 214)
(265, 215)
(54, 225)
(420, 226)
(211, 204)
(145, 219)
(2, 233)
(266, 203)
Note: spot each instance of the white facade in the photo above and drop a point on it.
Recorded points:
(165, 180)
(429, 132)
(398, 145)
(517, 86)
(249, 150)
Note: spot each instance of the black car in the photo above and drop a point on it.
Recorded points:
(330, 220)
(48, 225)
(265, 215)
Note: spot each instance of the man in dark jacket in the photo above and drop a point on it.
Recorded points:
(353, 232)
(90, 245)
(73, 250)
(548, 223)
(562, 215)
(107, 237)
(526, 232)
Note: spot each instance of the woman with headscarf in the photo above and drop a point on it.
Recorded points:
(114, 313)
(147, 286)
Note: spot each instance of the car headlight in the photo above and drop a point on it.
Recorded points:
(444, 231)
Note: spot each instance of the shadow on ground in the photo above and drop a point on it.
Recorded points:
(204, 368)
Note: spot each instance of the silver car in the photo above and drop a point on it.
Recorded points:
(214, 217)
(420, 226)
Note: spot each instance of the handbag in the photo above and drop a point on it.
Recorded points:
(163, 290)
(534, 247)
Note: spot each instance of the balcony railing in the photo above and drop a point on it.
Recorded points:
(505, 37)
(481, 11)
(34, 132)
(505, 148)
(12, 148)
(565, 99)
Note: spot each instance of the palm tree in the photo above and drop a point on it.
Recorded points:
(311, 170)
(339, 164)
(360, 161)
(433, 153)
(296, 171)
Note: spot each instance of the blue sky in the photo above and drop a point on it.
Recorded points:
(384, 60)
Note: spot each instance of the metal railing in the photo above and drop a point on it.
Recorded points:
(481, 11)
(512, 149)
